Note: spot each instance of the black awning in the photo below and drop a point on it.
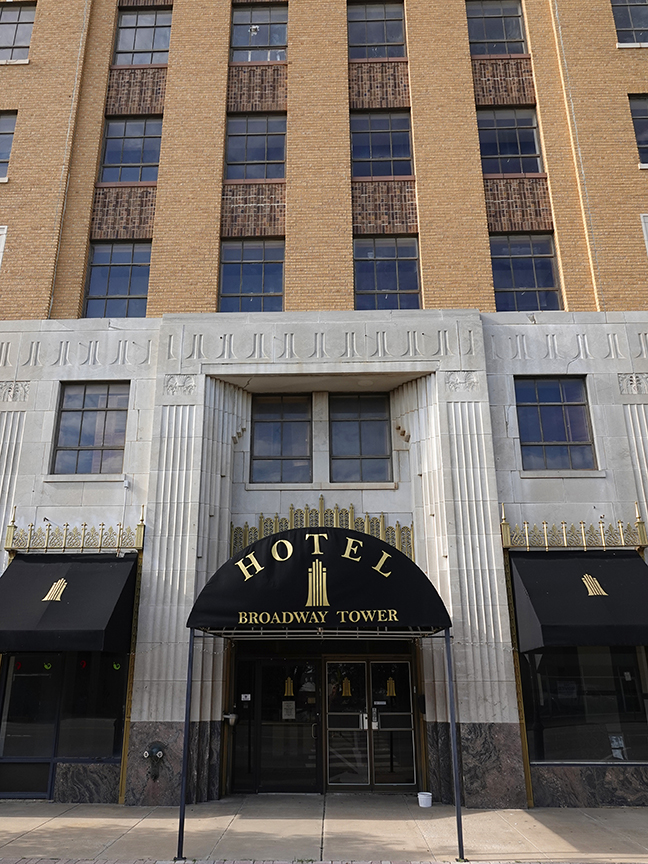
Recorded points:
(67, 603)
(580, 598)
(319, 581)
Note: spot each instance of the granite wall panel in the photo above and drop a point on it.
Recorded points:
(384, 207)
(257, 88)
(503, 81)
(614, 785)
(253, 210)
(123, 213)
(84, 783)
(136, 90)
(378, 85)
(518, 204)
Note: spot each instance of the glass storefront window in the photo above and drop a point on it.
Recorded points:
(586, 704)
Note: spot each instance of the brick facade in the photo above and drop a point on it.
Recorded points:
(136, 90)
(384, 207)
(123, 213)
(378, 85)
(257, 88)
(503, 81)
(253, 210)
(518, 204)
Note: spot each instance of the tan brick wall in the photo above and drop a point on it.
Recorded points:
(136, 91)
(378, 85)
(503, 81)
(453, 234)
(384, 207)
(257, 88)
(123, 213)
(253, 210)
(517, 204)
(46, 98)
(185, 253)
(319, 247)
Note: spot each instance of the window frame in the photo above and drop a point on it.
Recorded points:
(4, 163)
(386, 43)
(396, 292)
(473, 42)
(280, 48)
(109, 297)
(283, 398)
(500, 158)
(149, 166)
(78, 449)
(3, 240)
(642, 148)
(266, 242)
(627, 4)
(545, 443)
(532, 256)
(374, 161)
(5, 7)
(386, 456)
(143, 10)
(278, 175)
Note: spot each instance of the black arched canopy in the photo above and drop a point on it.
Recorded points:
(318, 581)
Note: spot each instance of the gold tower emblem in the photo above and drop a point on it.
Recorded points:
(317, 595)
(594, 587)
(55, 591)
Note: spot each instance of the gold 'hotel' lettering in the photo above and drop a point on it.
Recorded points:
(317, 616)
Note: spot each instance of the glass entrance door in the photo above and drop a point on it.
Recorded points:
(370, 728)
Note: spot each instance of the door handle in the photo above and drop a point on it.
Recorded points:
(314, 730)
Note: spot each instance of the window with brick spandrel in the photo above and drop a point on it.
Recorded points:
(495, 27)
(259, 34)
(142, 37)
(131, 150)
(118, 280)
(376, 31)
(524, 272)
(381, 145)
(16, 23)
(386, 273)
(256, 147)
(251, 275)
(509, 141)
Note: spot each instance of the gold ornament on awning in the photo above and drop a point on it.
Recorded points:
(391, 687)
(288, 687)
(346, 687)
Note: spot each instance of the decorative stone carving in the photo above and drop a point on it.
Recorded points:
(461, 381)
(633, 383)
(180, 384)
(14, 391)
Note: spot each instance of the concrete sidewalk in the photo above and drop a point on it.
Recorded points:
(314, 828)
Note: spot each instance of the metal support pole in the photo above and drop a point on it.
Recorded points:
(185, 752)
(453, 742)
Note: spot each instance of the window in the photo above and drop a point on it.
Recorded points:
(7, 127)
(523, 272)
(376, 30)
(132, 150)
(251, 278)
(256, 147)
(16, 24)
(495, 27)
(380, 145)
(91, 429)
(3, 237)
(281, 439)
(118, 280)
(143, 38)
(508, 139)
(631, 19)
(585, 703)
(639, 111)
(259, 34)
(360, 438)
(554, 423)
(386, 272)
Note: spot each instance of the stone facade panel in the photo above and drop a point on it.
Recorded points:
(378, 85)
(503, 81)
(518, 204)
(253, 210)
(384, 207)
(123, 213)
(136, 90)
(257, 88)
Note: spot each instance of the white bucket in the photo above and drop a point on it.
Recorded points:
(425, 799)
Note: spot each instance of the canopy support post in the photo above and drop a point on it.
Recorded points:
(185, 752)
(453, 742)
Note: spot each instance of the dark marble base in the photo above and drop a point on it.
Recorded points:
(614, 785)
(490, 764)
(143, 787)
(82, 783)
